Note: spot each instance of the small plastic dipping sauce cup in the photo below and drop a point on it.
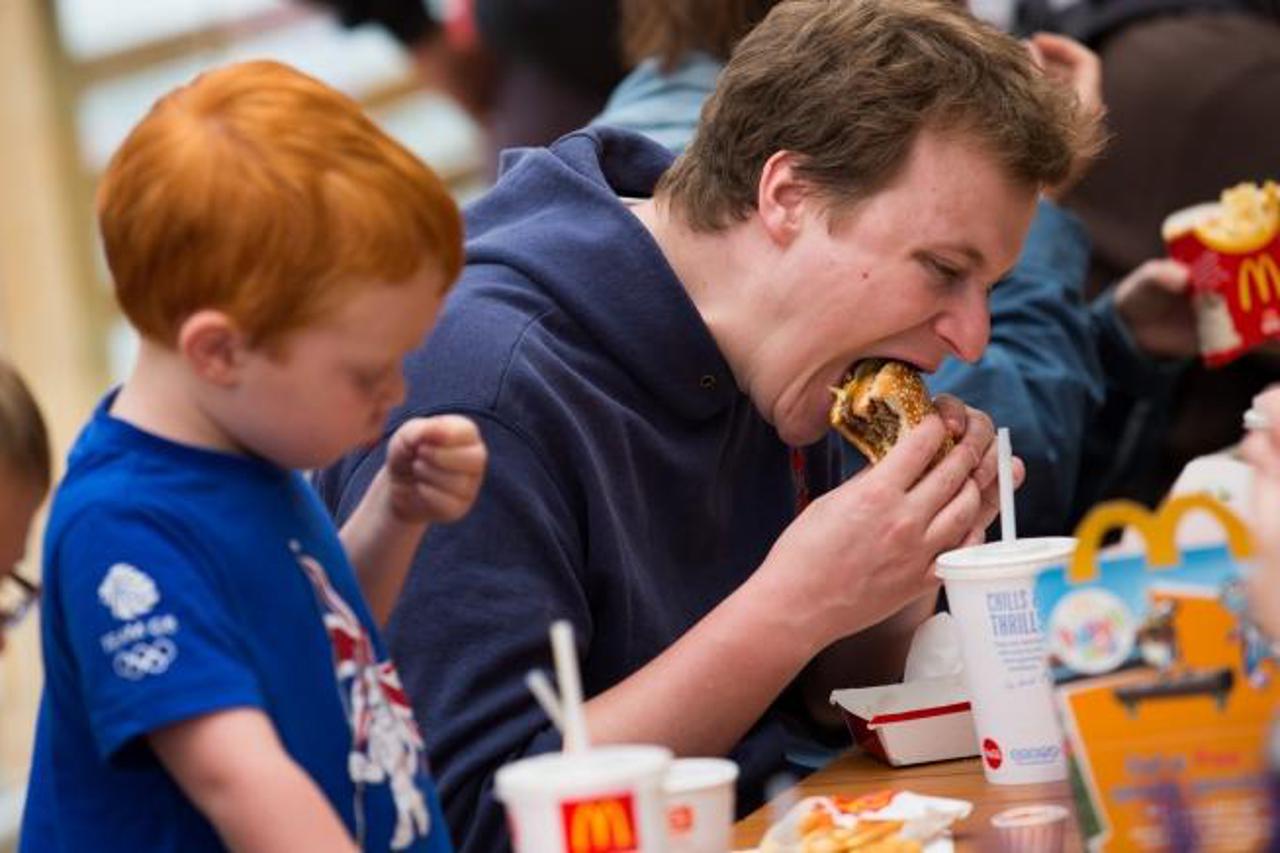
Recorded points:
(604, 798)
(991, 591)
(1031, 829)
(700, 805)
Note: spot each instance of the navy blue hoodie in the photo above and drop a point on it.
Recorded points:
(631, 485)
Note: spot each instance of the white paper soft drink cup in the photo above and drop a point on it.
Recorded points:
(604, 798)
(700, 805)
(991, 593)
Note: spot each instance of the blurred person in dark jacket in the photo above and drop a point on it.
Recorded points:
(527, 71)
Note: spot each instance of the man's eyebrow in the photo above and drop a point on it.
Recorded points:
(972, 253)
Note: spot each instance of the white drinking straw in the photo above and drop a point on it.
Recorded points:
(566, 658)
(780, 794)
(540, 686)
(1004, 472)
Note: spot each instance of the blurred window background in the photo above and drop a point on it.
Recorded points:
(75, 75)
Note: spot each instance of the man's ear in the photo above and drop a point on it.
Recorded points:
(782, 197)
(213, 346)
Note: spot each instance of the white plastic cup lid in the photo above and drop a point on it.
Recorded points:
(598, 767)
(696, 774)
(1000, 560)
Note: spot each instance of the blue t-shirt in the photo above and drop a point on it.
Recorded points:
(181, 582)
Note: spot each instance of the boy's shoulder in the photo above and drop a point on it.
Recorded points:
(110, 486)
(118, 478)
(89, 512)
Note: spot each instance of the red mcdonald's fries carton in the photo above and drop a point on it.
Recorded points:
(1232, 248)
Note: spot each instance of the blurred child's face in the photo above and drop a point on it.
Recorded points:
(19, 500)
(326, 389)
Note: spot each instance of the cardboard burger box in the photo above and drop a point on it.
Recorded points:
(911, 723)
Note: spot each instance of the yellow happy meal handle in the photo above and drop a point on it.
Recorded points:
(1158, 529)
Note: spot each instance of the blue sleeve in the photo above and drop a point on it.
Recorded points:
(1129, 372)
(1127, 433)
(472, 619)
(1040, 376)
(662, 105)
(146, 626)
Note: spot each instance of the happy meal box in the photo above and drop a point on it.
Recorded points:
(1232, 249)
(1164, 688)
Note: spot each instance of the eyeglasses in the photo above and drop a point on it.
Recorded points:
(17, 596)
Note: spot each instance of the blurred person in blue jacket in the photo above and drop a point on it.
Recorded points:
(1190, 88)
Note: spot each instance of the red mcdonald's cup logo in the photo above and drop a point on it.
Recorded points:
(991, 753)
(679, 819)
(601, 825)
(1259, 275)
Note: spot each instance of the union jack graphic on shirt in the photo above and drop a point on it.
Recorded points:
(386, 746)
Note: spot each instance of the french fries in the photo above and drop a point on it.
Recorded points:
(886, 821)
(1247, 217)
(869, 836)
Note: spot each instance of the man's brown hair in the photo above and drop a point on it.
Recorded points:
(260, 191)
(669, 30)
(848, 85)
(24, 441)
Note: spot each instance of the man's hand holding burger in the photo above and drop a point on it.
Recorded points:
(865, 551)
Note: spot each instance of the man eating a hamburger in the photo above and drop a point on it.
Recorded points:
(649, 349)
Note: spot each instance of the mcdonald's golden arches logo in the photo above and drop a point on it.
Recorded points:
(602, 825)
(1258, 274)
(1158, 528)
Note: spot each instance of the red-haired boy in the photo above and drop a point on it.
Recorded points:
(214, 675)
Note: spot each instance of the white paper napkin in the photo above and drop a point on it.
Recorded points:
(935, 649)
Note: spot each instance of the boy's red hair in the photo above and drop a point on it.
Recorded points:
(262, 192)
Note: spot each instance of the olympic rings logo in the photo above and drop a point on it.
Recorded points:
(143, 659)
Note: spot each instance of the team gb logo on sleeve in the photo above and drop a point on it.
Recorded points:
(128, 592)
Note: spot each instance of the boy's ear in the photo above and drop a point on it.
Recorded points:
(782, 198)
(213, 346)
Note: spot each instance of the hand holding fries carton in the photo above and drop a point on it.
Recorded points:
(1233, 251)
(1164, 687)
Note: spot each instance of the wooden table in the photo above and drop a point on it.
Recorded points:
(855, 773)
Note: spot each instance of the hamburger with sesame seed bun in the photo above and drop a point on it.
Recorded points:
(881, 401)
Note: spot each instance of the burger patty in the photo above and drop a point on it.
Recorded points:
(881, 425)
(879, 401)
